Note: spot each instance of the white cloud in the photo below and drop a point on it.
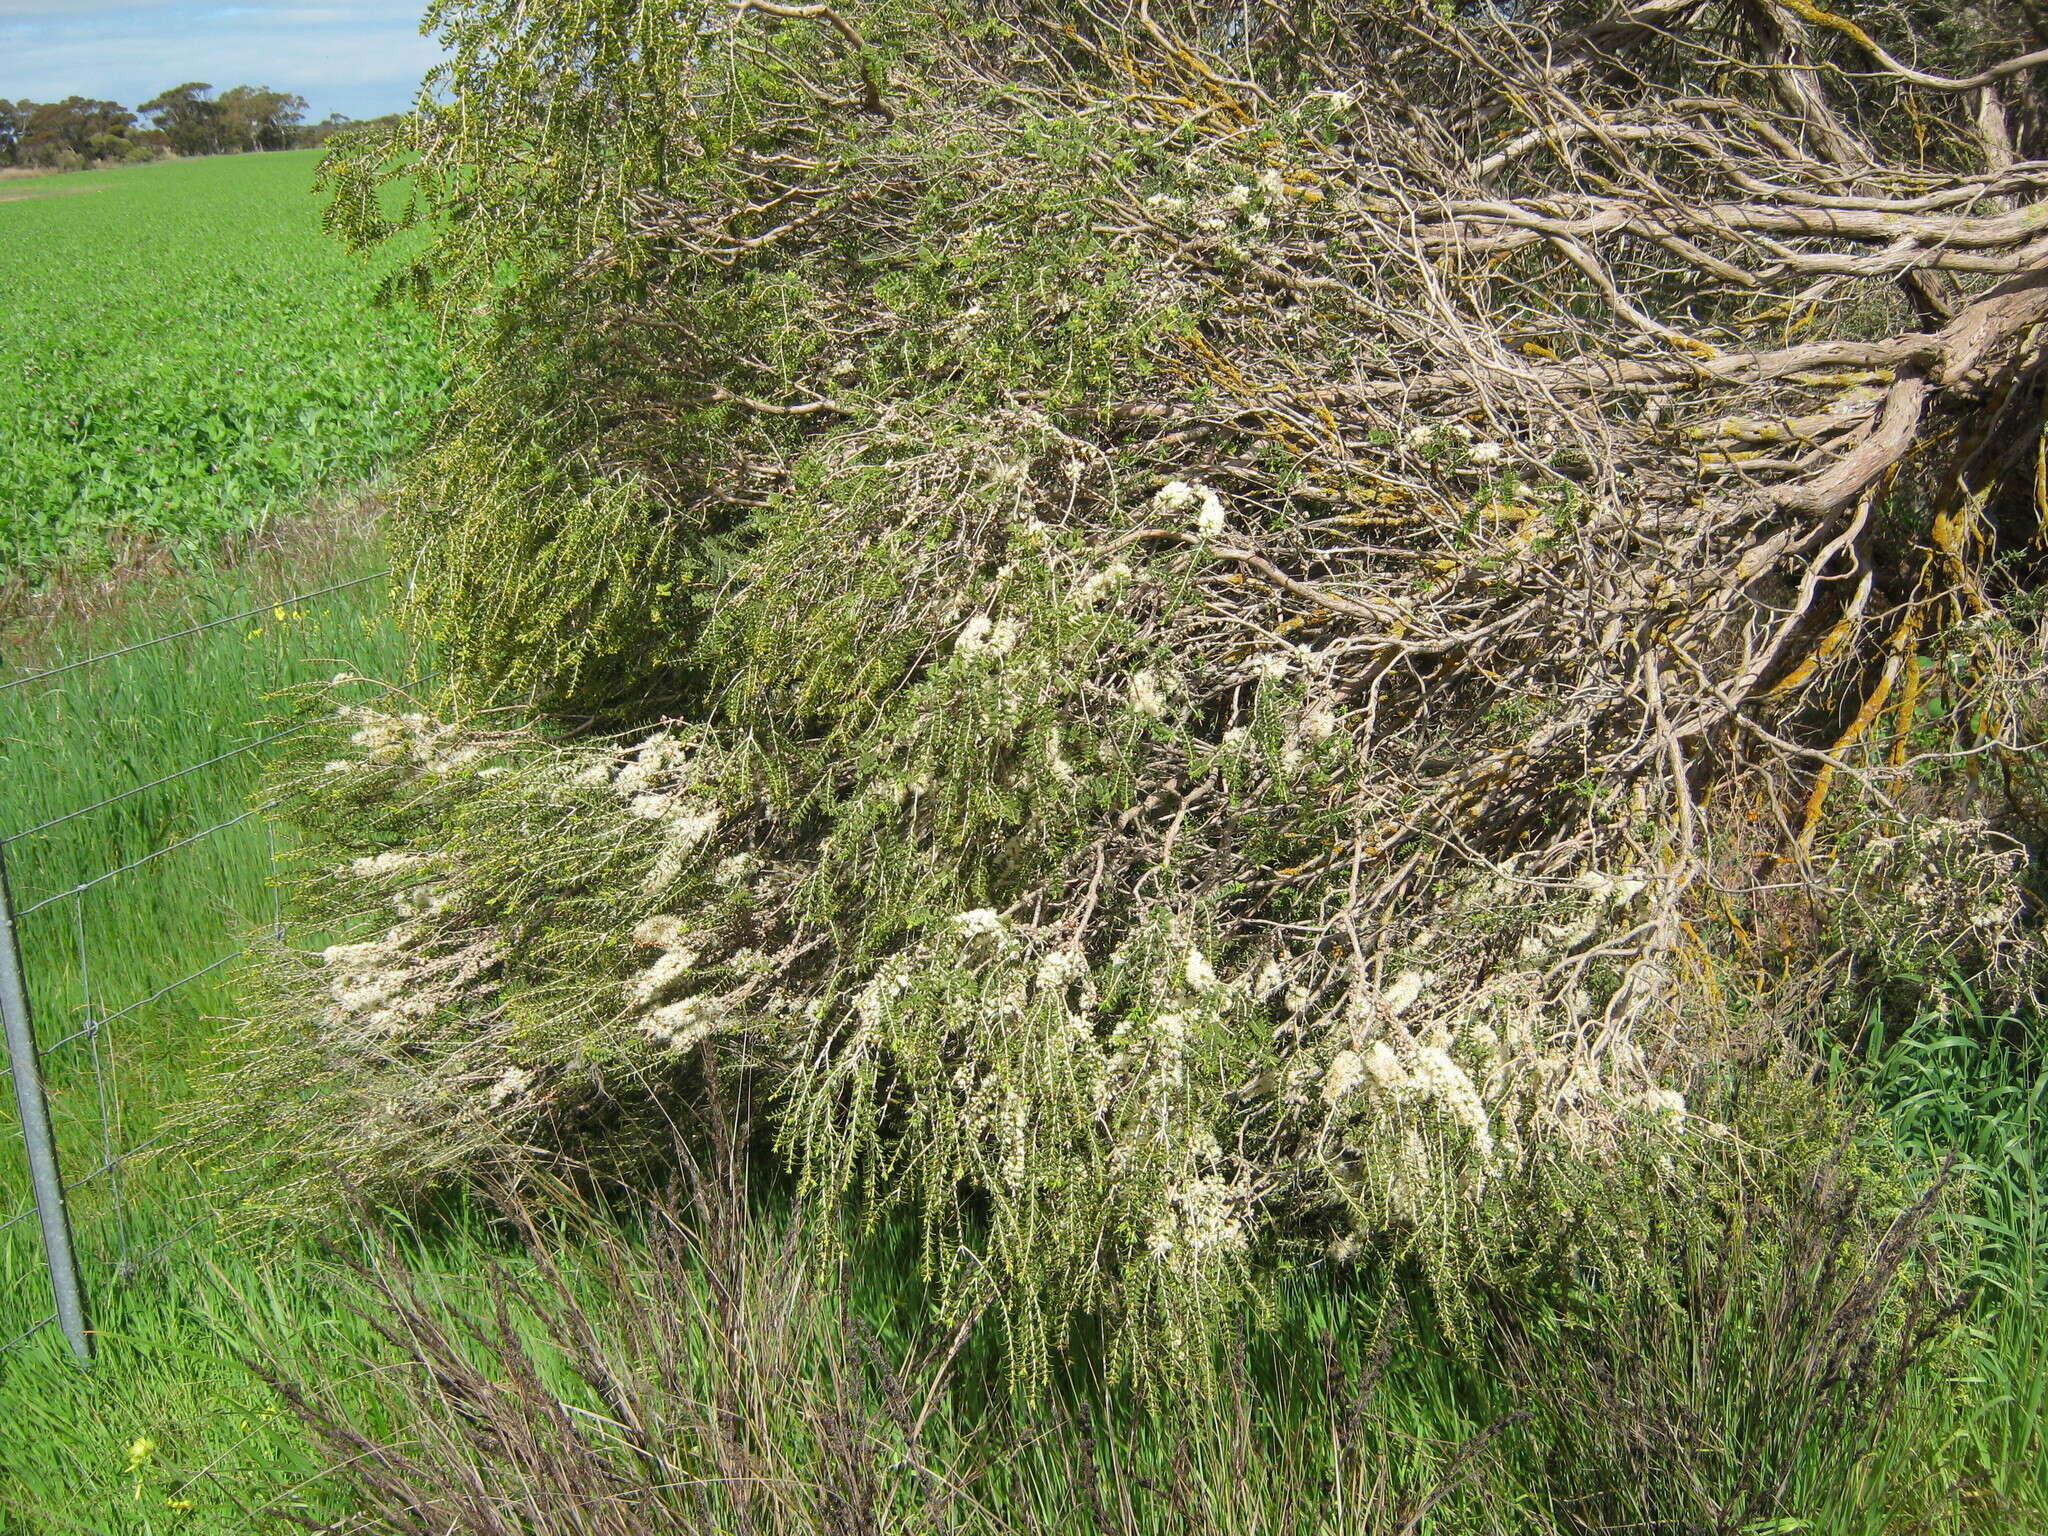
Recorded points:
(359, 59)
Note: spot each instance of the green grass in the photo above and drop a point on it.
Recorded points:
(101, 951)
(183, 353)
(1974, 1086)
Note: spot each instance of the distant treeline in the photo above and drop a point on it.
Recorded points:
(187, 119)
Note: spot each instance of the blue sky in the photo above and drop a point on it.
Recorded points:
(362, 58)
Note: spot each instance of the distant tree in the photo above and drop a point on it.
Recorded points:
(188, 117)
(313, 135)
(77, 126)
(254, 117)
(317, 135)
(12, 116)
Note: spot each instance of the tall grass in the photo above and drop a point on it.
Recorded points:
(153, 731)
(694, 1363)
(1965, 1084)
(697, 1369)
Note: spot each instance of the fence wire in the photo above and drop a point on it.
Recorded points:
(111, 895)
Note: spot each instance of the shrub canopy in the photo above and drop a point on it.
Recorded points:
(1241, 634)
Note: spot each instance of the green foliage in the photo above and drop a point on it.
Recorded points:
(244, 117)
(600, 360)
(1750, 1385)
(545, 935)
(565, 582)
(65, 132)
(181, 357)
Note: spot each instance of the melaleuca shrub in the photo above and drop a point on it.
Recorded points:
(993, 585)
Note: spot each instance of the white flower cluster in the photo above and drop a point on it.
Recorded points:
(376, 986)
(1102, 583)
(383, 738)
(1618, 889)
(1061, 966)
(1171, 1027)
(1148, 694)
(681, 1023)
(1239, 199)
(1347, 1071)
(1180, 496)
(983, 636)
(411, 739)
(1319, 722)
(1401, 1071)
(982, 922)
(378, 865)
(687, 831)
(1384, 1067)
(416, 900)
(1203, 1216)
(883, 988)
(1666, 1104)
(656, 780)
(661, 932)
(1352, 1069)
(661, 978)
(1458, 436)
(1402, 993)
(1956, 888)
(661, 761)
(1440, 1080)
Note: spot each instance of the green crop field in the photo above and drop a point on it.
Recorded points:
(182, 352)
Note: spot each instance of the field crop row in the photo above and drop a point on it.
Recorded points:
(182, 352)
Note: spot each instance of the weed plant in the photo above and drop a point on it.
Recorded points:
(976, 568)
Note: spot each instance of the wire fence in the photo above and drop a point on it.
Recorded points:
(137, 864)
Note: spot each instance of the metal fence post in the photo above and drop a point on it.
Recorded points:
(44, 1177)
